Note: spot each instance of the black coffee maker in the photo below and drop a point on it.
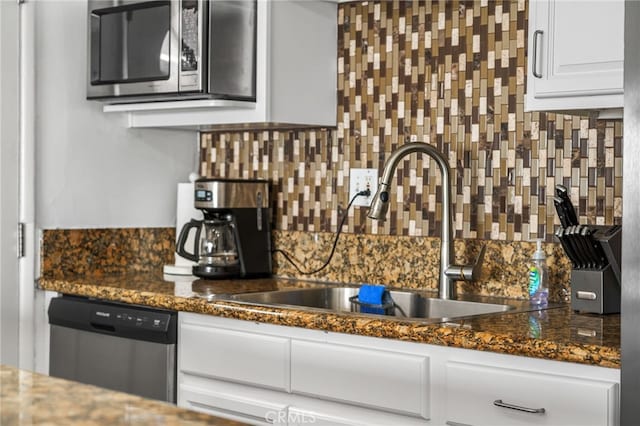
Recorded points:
(234, 239)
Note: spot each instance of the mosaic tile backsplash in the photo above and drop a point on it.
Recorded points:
(452, 74)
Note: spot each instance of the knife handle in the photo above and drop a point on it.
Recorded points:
(567, 248)
(562, 214)
(587, 248)
(576, 243)
(596, 246)
(570, 211)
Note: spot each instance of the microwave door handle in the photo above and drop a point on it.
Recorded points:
(95, 48)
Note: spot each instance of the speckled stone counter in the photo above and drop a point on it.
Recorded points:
(556, 334)
(28, 398)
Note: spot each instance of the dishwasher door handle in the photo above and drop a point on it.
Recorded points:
(103, 327)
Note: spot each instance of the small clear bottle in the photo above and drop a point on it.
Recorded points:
(538, 273)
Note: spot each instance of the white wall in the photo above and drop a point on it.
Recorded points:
(9, 149)
(92, 171)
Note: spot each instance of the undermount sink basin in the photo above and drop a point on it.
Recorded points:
(406, 304)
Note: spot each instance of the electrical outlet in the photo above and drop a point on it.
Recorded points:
(360, 180)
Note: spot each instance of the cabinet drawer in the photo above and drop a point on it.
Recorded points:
(232, 406)
(337, 414)
(379, 379)
(235, 356)
(473, 389)
(299, 417)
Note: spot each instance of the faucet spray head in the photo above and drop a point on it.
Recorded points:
(380, 203)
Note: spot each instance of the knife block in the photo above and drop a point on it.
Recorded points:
(598, 290)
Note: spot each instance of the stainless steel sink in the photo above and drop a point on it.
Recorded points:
(407, 304)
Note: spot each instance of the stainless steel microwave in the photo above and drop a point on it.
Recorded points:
(166, 50)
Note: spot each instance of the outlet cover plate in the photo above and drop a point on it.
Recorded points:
(359, 180)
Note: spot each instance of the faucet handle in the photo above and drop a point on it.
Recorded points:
(469, 272)
(477, 266)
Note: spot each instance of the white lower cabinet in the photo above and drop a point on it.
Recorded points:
(236, 402)
(237, 356)
(480, 395)
(315, 411)
(299, 416)
(267, 374)
(377, 379)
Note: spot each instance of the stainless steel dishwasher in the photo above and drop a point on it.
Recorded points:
(116, 346)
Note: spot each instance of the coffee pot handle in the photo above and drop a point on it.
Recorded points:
(182, 240)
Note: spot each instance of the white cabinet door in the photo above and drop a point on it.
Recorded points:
(300, 417)
(575, 54)
(305, 411)
(235, 405)
(234, 355)
(482, 395)
(389, 381)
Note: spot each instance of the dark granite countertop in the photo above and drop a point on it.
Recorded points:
(33, 399)
(555, 334)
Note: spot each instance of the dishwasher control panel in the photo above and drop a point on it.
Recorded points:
(135, 322)
(131, 318)
(142, 321)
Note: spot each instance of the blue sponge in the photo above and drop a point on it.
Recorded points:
(372, 295)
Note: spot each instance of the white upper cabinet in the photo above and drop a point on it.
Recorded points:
(575, 55)
(296, 77)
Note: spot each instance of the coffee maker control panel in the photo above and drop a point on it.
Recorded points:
(203, 195)
(211, 194)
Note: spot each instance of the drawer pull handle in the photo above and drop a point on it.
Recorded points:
(499, 403)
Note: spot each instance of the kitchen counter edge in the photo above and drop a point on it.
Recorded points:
(513, 334)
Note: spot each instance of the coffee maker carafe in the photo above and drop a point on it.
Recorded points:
(215, 247)
(234, 239)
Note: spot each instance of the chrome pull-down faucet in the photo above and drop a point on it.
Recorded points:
(449, 272)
